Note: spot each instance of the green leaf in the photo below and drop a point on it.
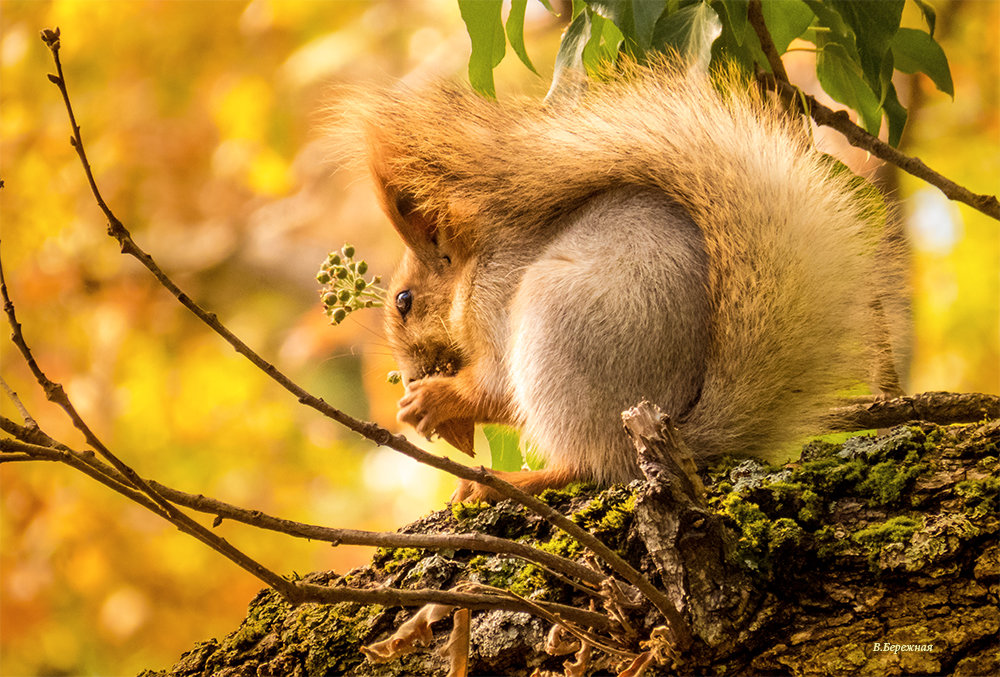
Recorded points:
(570, 55)
(743, 50)
(734, 17)
(690, 30)
(874, 24)
(830, 19)
(841, 79)
(482, 20)
(645, 14)
(930, 16)
(603, 45)
(786, 20)
(505, 449)
(619, 12)
(515, 32)
(917, 52)
(895, 114)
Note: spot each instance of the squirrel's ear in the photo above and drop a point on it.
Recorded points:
(418, 230)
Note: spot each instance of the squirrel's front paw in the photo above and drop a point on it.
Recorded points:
(431, 406)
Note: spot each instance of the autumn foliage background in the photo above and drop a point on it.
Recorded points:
(204, 124)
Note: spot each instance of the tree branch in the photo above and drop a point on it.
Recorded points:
(856, 136)
(936, 407)
(299, 592)
(755, 15)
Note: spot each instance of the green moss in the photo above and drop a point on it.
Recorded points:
(557, 496)
(264, 611)
(886, 481)
(462, 511)
(329, 633)
(828, 543)
(752, 528)
(980, 497)
(783, 535)
(393, 559)
(812, 506)
(876, 536)
(512, 574)
(563, 545)
(608, 516)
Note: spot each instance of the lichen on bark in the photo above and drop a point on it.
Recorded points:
(877, 555)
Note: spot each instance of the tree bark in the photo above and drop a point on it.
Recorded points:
(878, 555)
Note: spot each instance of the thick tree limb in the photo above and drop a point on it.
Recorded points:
(936, 407)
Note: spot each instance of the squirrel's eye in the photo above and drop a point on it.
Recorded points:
(404, 300)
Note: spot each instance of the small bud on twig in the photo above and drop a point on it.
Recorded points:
(51, 38)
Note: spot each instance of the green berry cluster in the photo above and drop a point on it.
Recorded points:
(344, 287)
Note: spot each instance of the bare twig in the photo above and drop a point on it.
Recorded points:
(55, 393)
(300, 592)
(756, 17)
(539, 609)
(25, 416)
(370, 430)
(856, 136)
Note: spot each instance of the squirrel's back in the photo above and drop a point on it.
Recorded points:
(789, 275)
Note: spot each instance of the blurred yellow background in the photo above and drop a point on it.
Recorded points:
(203, 121)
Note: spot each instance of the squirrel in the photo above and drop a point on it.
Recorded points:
(665, 237)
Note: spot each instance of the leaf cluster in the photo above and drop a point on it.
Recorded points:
(858, 45)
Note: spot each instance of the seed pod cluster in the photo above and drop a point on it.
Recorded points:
(344, 287)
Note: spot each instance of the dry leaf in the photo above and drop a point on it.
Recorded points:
(661, 645)
(578, 666)
(557, 644)
(638, 665)
(457, 648)
(411, 634)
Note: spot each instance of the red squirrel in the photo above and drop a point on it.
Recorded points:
(664, 238)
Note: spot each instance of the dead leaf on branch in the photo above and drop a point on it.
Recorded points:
(557, 643)
(638, 666)
(457, 648)
(581, 660)
(411, 634)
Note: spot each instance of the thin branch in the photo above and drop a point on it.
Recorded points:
(372, 431)
(25, 416)
(473, 541)
(856, 136)
(540, 610)
(393, 597)
(299, 592)
(755, 15)
(55, 393)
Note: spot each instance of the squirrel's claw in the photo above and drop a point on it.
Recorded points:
(432, 406)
